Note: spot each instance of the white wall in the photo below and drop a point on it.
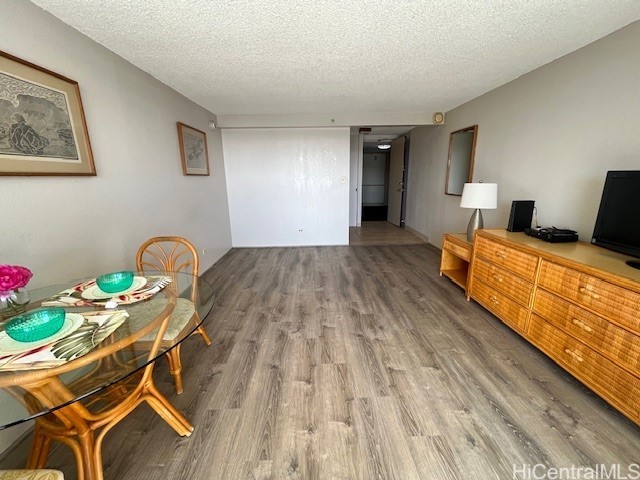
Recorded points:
(66, 227)
(288, 186)
(551, 135)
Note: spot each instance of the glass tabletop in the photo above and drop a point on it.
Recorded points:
(164, 311)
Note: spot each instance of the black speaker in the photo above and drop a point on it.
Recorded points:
(521, 215)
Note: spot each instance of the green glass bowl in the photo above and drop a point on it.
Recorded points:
(36, 324)
(115, 282)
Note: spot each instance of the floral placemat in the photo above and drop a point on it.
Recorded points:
(72, 297)
(94, 328)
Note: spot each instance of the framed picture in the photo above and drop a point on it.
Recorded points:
(193, 150)
(42, 125)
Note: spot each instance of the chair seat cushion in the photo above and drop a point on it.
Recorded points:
(31, 475)
(145, 312)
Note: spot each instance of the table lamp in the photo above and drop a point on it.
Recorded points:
(477, 196)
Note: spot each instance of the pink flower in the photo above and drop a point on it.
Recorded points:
(13, 276)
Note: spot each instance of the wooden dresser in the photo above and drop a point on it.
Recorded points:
(578, 303)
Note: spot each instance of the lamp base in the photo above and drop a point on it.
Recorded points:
(475, 223)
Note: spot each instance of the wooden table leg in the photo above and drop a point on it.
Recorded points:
(168, 412)
(74, 429)
(39, 449)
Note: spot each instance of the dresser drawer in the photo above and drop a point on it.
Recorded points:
(458, 250)
(614, 342)
(502, 306)
(617, 386)
(516, 261)
(611, 301)
(515, 287)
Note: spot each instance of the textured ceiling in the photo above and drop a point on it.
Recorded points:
(321, 56)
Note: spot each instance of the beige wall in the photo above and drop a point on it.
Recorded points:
(69, 227)
(65, 227)
(550, 136)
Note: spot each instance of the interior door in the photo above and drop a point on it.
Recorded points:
(396, 184)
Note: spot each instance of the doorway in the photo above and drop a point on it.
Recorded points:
(383, 182)
(375, 185)
(383, 174)
(379, 172)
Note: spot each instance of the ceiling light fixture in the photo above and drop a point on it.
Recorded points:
(384, 146)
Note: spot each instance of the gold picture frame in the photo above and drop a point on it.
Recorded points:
(193, 150)
(42, 125)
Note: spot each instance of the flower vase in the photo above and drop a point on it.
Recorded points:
(13, 302)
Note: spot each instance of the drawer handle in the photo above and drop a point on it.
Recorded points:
(581, 324)
(576, 356)
(501, 254)
(497, 278)
(494, 300)
(589, 292)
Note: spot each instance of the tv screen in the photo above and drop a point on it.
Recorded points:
(618, 223)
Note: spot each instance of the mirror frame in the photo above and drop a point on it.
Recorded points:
(474, 129)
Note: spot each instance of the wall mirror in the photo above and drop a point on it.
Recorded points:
(462, 149)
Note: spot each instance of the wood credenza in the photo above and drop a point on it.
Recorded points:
(578, 303)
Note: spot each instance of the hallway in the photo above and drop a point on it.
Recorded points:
(381, 233)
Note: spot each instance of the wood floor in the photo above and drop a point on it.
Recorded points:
(381, 233)
(359, 363)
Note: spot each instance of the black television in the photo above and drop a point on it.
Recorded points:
(618, 223)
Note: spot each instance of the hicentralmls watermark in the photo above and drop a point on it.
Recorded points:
(540, 471)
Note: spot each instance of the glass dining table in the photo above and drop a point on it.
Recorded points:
(78, 386)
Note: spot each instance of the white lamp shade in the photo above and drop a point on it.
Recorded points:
(479, 195)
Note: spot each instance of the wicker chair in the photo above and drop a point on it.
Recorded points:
(173, 254)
